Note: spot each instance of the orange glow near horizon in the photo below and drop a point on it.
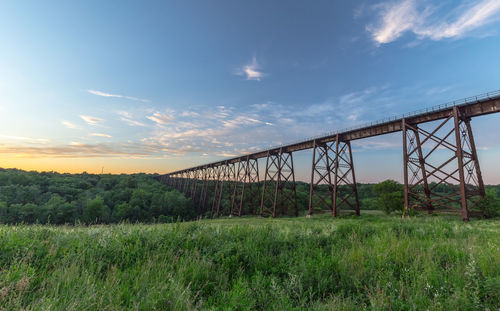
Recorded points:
(91, 165)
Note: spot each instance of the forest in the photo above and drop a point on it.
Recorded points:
(48, 197)
(55, 198)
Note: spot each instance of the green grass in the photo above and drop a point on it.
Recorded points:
(372, 262)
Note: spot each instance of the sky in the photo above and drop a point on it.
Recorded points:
(157, 86)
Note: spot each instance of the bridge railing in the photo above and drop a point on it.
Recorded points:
(437, 108)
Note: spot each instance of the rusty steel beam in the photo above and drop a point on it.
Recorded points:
(219, 173)
(253, 189)
(333, 166)
(270, 187)
(227, 177)
(470, 107)
(453, 136)
(321, 174)
(241, 180)
(230, 178)
(194, 185)
(279, 189)
(203, 192)
(422, 173)
(344, 175)
(187, 181)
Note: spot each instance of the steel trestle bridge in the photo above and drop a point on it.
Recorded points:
(438, 148)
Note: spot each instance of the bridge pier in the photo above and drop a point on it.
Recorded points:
(188, 185)
(175, 180)
(194, 185)
(333, 165)
(224, 175)
(239, 189)
(204, 190)
(211, 183)
(230, 179)
(219, 173)
(461, 166)
(187, 180)
(181, 182)
(178, 184)
(246, 181)
(344, 175)
(278, 178)
(253, 182)
(321, 174)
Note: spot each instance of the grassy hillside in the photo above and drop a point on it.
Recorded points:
(372, 262)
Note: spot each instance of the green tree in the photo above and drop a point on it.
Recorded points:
(390, 196)
(490, 204)
(29, 213)
(95, 211)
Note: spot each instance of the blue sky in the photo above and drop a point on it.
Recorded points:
(157, 86)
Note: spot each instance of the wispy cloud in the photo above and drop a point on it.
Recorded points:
(104, 94)
(128, 119)
(76, 150)
(428, 21)
(160, 118)
(222, 130)
(69, 124)
(91, 120)
(395, 19)
(25, 139)
(190, 114)
(100, 135)
(251, 71)
(239, 121)
(132, 122)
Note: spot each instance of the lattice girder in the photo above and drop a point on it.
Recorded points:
(445, 155)
(279, 185)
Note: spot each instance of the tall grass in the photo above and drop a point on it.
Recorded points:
(372, 262)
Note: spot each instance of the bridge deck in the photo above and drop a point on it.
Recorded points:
(469, 107)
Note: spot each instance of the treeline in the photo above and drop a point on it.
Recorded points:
(48, 197)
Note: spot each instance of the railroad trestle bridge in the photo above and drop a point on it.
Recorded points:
(438, 148)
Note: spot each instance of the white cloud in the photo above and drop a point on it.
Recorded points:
(77, 150)
(69, 124)
(125, 114)
(397, 18)
(262, 106)
(103, 94)
(161, 118)
(190, 114)
(132, 122)
(476, 16)
(91, 120)
(226, 154)
(128, 119)
(240, 120)
(26, 139)
(100, 135)
(99, 93)
(251, 71)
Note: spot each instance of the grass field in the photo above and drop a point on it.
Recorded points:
(372, 262)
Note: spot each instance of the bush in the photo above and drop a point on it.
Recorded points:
(390, 196)
(490, 204)
(96, 211)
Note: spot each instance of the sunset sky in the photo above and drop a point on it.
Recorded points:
(145, 86)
